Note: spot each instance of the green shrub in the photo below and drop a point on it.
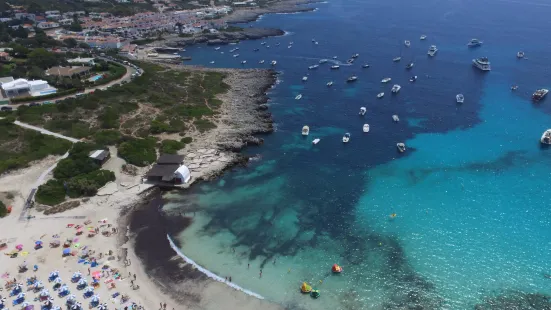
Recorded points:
(186, 140)
(204, 125)
(109, 118)
(51, 193)
(87, 185)
(138, 152)
(171, 146)
(107, 137)
(3, 209)
(69, 167)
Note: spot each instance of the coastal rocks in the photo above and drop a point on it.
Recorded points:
(222, 38)
(62, 207)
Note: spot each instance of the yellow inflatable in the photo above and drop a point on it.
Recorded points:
(305, 288)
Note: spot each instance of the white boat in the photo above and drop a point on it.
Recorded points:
(291, 43)
(274, 62)
(334, 57)
(396, 88)
(256, 50)
(520, 54)
(236, 55)
(355, 55)
(410, 65)
(313, 40)
(330, 83)
(315, 141)
(277, 44)
(397, 59)
(386, 80)
(380, 95)
(212, 62)
(313, 67)
(267, 46)
(413, 78)
(365, 128)
(346, 138)
(482, 63)
(546, 137)
(362, 111)
(474, 43)
(261, 62)
(350, 61)
(233, 50)
(217, 48)
(459, 98)
(263, 43)
(407, 43)
(432, 51)
(305, 130)
(237, 48)
(304, 78)
(289, 46)
(395, 118)
(423, 37)
(365, 66)
(401, 147)
(298, 97)
(322, 61)
(243, 62)
(335, 67)
(352, 79)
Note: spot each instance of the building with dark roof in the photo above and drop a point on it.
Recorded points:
(169, 159)
(100, 156)
(162, 173)
(68, 71)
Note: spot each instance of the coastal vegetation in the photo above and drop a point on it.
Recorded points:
(113, 7)
(3, 209)
(19, 147)
(139, 152)
(75, 176)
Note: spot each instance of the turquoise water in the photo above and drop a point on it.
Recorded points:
(470, 194)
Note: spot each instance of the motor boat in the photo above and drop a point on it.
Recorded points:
(423, 37)
(413, 78)
(322, 61)
(335, 67)
(298, 97)
(346, 138)
(289, 46)
(243, 62)
(334, 57)
(212, 62)
(539, 94)
(352, 79)
(267, 46)
(546, 137)
(336, 268)
(261, 62)
(362, 111)
(474, 43)
(305, 130)
(432, 51)
(482, 63)
(459, 98)
(365, 66)
(236, 55)
(365, 128)
(217, 48)
(409, 66)
(256, 50)
(263, 43)
(329, 84)
(386, 80)
(274, 62)
(401, 147)
(396, 88)
(305, 288)
(315, 141)
(395, 118)
(277, 44)
(313, 40)
(355, 55)
(514, 87)
(313, 67)
(350, 61)
(380, 95)
(520, 54)
(304, 78)
(397, 59)
(407, 43)
(233, 50)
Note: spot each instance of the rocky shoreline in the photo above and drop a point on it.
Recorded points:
(223, 38)
(285, 6)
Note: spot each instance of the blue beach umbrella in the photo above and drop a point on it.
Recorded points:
(38, 242)
(66, 251)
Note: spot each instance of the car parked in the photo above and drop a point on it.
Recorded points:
(6, 108)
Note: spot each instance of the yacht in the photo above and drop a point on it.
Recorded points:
(322, 61)
(263, 43)
(395, 118)
(355, 55)
(352, 79)
(274, 62)
(329, 84)
(482, 63)
(233, 50)
(335, 67)
(362, 111)
(396, 88)
(350, 61)
(520, 54)
(539, 94)
(365, 128)
(396, 59)
(459, 98)
(546, 137)
(256, 50)
(316, 141)
(291, 43)
(267, 46)
(380, 95)
(423, 37)
(346, 138)
(217, 48)
(365, 66)
(386, 80)
(243, 62)
(413, 78)
(401, 147)
(407, 43)
(514, 87)
(474, 43)
(261, 62)
(305, 130)
(289, 46)
(298, 97)
(304, 78)
(313, 67)
(236, 55)
(334, 57)
(432, 51)
(409, 66)
(212, 62)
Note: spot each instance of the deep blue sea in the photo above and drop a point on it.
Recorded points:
(470, 194)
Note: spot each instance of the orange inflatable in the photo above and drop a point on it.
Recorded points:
(336, 268)
(305, 288)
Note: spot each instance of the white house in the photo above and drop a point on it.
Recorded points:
(24, 87)
(56, 12)
(47, 25)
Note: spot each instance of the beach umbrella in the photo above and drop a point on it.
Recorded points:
(71, 297)
(38, 242)
(66, 251)
(44, 293)
(57, 280)
(21, 295)
(64, 288)
(19, 247)
(88, 289)
(96, 274)
(82, 281)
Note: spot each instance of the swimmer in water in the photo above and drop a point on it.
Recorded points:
(393, 215)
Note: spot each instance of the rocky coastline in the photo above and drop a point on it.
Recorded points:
(286, 6)
(223, 38)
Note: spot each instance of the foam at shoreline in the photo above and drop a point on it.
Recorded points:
(208, 273)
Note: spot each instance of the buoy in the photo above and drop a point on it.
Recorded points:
(336, 268)
(315, 293)
(393, 215)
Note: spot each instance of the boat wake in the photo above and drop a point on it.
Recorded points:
(209, 273)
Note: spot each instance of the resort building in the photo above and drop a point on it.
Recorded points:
(68, 71)
(47, 25)
(82, 61)
(23, 87)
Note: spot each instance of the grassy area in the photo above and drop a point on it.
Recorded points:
(160, 101)
(18, 146)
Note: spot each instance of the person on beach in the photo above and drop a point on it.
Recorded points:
(134, 276)
(164, 305)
